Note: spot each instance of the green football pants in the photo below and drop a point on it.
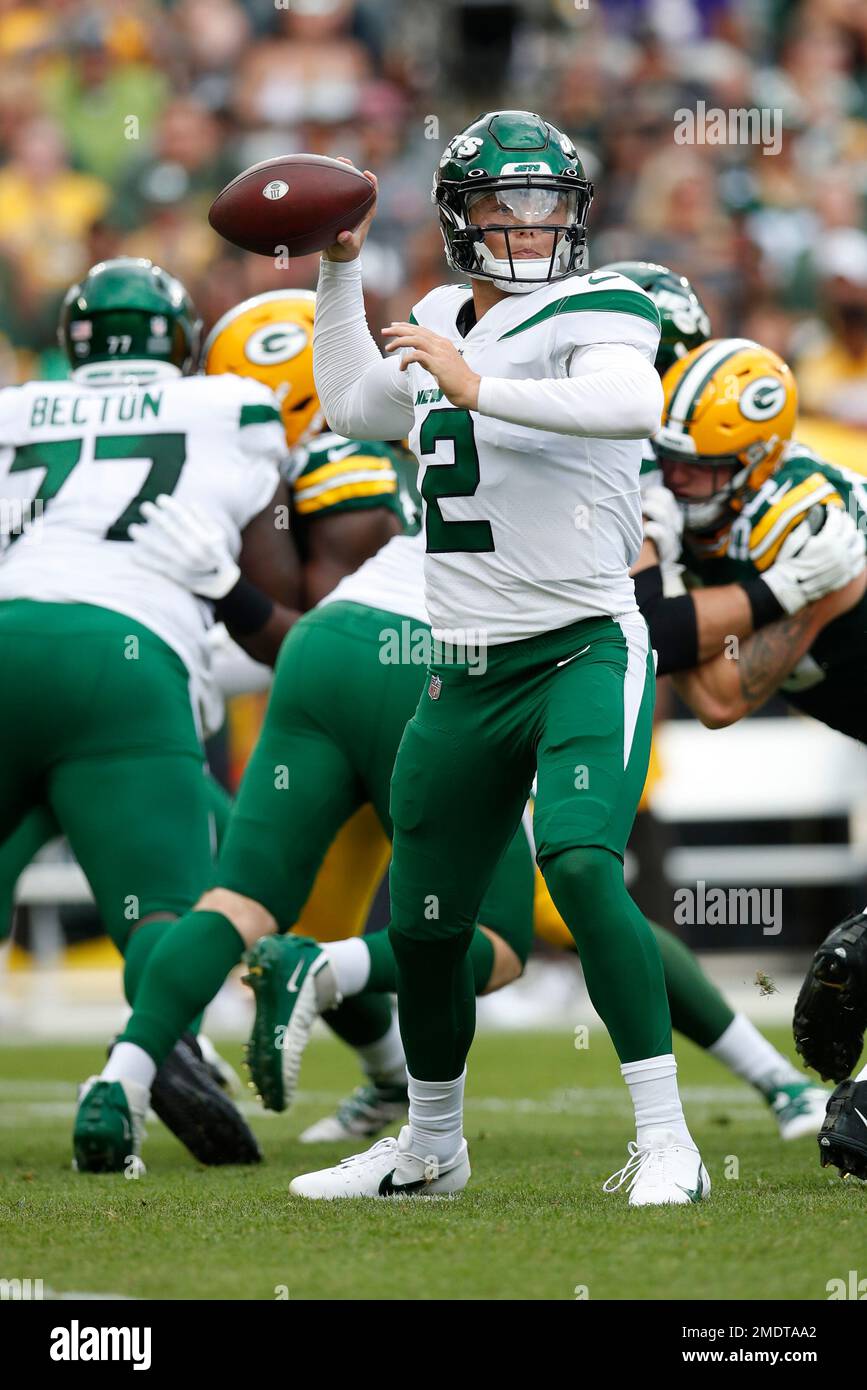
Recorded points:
(575, 708)
(96, 726)
(335, 718)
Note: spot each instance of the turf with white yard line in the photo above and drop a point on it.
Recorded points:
(546, 1124)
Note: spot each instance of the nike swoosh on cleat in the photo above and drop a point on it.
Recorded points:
(566, 661)
(388, 1189)
(862, 1118)
(291, 986)
(694, 1194)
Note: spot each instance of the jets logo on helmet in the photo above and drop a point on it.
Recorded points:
(462, 147)
(730, 408)
(513, 201)
(270, 338)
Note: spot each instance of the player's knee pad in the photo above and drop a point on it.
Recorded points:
(580, 882)
(412, 946)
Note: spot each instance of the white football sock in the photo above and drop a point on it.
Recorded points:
(129, 1062)
(745, 1052)
(436, 1111)
(652, 1084)
(384, 1060)
(350, 961)
(862, 1075)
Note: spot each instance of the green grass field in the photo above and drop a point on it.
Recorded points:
(546, 1126)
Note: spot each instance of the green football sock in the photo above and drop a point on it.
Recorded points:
(137, 953)
(139, 946)
(366, 1017)
(698, 1010)
(184, 971)
(436, 1040)
(383, 969)
(362, 1019)
(620, 958)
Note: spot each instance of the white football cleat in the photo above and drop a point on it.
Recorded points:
(799, 1108)
(367, 1112)
(388, 1169)
(664, 1172)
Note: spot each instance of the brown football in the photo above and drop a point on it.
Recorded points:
(294, 204)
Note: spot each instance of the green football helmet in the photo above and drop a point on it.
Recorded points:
(126, 321)
(527, 170)
(685, 322)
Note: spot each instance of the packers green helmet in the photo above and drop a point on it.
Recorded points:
(125, 318)
(512, 172)
(685, 323)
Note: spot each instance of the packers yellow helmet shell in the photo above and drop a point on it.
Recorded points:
(728, 403)
(270, 338)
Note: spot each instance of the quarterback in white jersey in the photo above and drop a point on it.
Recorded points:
(530, 529)
(527, 395)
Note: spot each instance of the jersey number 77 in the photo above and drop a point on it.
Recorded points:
(166, 452)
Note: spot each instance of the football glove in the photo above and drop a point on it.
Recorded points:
(663, 522)
(809, 565)
(184, 547)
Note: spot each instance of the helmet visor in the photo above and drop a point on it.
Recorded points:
(523, 207)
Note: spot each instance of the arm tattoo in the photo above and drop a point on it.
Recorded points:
(766, 659)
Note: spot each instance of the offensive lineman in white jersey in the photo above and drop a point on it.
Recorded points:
(530, 536)
(105, 663)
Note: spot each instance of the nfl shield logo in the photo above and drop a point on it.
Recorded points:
(435, 687)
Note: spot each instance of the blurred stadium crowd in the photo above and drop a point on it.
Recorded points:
(118, 125)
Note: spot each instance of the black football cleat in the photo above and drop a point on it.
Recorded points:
(190, 1099)
(831, 1012)
(843, 1136)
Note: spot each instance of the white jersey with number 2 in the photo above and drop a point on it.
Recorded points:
(532, 512)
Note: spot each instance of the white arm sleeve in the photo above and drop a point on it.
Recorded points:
(364, 395)
(611, 392)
